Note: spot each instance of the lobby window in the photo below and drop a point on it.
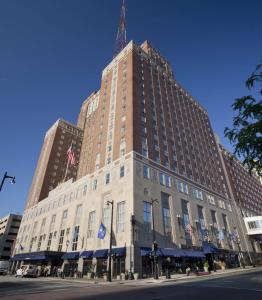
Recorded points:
(122, 171)
(107, 178)
(186, 219)
(147, 215)
(61, 239)
(146, 172)
(75, 238)
(91, 224)
(167, 221)
(120, 222)
(201, 224)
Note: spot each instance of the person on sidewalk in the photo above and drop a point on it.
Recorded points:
(188, 270)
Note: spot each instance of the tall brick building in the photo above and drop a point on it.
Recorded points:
(52, 162)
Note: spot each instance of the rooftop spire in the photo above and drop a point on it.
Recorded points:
(121, 32)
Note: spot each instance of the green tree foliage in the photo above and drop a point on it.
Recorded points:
(246, 134)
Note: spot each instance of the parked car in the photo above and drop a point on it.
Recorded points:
(4, 267)
(29, 271)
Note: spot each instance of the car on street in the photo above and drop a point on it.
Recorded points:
(4, 267)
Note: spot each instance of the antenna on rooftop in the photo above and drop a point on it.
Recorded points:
(121, 32)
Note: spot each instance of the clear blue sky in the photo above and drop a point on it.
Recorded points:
(52, 53)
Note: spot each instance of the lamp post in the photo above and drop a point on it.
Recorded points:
(133, 224)
(6, 177)
(154, 245)
(109, 277)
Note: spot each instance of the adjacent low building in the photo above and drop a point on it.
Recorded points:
(9, 226)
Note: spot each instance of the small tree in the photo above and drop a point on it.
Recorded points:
(246, 134)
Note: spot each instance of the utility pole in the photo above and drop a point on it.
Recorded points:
(109, 277)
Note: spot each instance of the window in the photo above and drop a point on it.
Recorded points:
(61, 239)
(198, 194)
(85, 189)
(167, 221)
(106, 216)
(91, 224)
(95, 184)
(182, 187)
(146, 172)
(211, 199)
(49, 241)
(162, 178)
(201, 225)
(65, 214)
(145, 152)
(168, 180)
(75, 238)
(78, 212)
(186, 220)
(122, 171)
(107, 178)
(147, 215)
(120, 222)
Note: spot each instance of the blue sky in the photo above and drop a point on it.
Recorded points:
(52, 53)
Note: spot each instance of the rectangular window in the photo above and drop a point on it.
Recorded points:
(49, 241)
(120, 221)
(107, 178)
(168, 181)
(211, 199)
(75, 238)
(61, 239)
(182, 187)
(146, 172)
(167, 221)
(122, 171)
(162, 178)
(91, 224)
(95, 184)
(186, 220)
(198, 194)
(106, 216)
(147, 215)
(201, 225)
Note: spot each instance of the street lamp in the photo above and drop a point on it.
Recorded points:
(6, 177)
(109, 277)
(154, 245)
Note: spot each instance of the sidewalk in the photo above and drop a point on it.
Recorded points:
(162, 279)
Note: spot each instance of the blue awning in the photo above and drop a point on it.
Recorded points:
(71, 255)
(193, 253)
(86, 254)
(102, 253)
(146, 251)
(40, 255)
(119, 251)
(172, 252)
(210, 249)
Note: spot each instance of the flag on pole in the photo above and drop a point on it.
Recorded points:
(221, 235)
(71, 156)
(101, 232)
(189, 229)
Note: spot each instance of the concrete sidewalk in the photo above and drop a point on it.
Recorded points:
(162, 279)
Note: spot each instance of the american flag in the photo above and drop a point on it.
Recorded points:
(71, 156)
(189, 229)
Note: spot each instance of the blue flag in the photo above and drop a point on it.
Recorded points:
(221, 235)
(101, 232)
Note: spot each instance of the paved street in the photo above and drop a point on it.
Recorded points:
(241, 285)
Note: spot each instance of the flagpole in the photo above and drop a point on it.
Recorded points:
(66, 169)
